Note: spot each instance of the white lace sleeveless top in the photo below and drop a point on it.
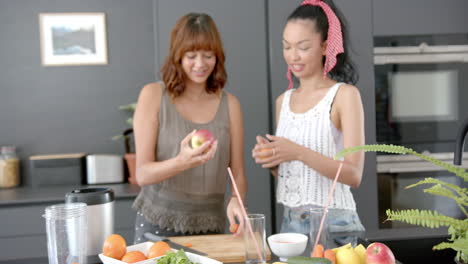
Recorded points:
(298, 184)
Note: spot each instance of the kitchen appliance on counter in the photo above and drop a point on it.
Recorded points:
(58, 169)
(104, 168)
(100, 210)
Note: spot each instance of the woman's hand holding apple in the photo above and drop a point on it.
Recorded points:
(193, 157)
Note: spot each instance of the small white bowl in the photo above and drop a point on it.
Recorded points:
(286, 245)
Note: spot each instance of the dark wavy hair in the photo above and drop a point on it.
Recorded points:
(192, 32)
(344, 70)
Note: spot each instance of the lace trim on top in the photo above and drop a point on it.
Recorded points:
(180, 221)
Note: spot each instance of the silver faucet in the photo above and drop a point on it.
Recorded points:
(458, 154)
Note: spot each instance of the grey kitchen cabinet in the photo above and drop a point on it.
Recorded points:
(419, 17)
(242, 27)
(358, 13)
(23, 231)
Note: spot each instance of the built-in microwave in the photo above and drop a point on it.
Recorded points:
(421, 90)
(421, 100)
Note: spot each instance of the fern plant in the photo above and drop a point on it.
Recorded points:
(457, 229)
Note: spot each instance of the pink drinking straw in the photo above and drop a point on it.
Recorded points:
(325, 210)
(245, 215)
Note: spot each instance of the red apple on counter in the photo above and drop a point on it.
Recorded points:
(200, 137)
(379, 253)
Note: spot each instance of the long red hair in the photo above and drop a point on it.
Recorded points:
(193, 32)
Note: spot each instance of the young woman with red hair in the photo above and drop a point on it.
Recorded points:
(183, 188)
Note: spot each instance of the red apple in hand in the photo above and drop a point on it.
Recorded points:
(200, 137)
(379, 253)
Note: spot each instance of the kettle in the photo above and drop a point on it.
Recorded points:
(100, 220)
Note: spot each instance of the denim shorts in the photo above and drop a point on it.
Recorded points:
(344, 226)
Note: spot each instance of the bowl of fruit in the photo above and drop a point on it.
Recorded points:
(116, 251)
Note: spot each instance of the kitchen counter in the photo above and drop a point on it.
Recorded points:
(23, 226)
(405, 250)
(56, 194)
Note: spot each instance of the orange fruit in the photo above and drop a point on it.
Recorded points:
(114, 246)
(318, 251)
(263, 150)
(330, 255)
(233, 228)
(158, 249)
(188, 244)
(134, 256)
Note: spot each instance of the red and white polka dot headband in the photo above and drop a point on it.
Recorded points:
(334, 40)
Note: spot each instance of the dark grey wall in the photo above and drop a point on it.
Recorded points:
(402, 17)
(70, 108)
(75, 108)
(359, 16)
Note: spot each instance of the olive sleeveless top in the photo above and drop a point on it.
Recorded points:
(192, 201)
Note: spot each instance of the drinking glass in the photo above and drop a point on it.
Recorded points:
(257, 222)
(315, 218)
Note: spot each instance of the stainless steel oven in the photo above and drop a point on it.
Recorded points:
(395, 172)
(421, 91)
(421, 98)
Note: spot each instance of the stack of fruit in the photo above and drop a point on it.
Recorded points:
(376, 253)
(115, 247)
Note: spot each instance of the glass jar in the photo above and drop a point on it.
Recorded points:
(9, 167)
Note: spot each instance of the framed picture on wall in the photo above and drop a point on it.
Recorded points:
(73, 38)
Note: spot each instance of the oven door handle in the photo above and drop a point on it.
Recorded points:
(413, 169)
(409, 163)
(407, 167)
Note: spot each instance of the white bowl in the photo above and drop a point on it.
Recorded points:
(286, 245)
(144, 247)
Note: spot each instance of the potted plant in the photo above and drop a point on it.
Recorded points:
(457, 229)
(128, 141)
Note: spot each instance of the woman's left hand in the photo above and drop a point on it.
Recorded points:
(234, 211)
(280, 149)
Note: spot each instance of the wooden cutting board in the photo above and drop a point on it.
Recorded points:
(225, 248)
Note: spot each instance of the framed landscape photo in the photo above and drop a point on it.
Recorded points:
(73, 38)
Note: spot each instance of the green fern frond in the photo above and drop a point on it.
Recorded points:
(441, 191)
(129, 121)
(458, 245)
(117, 137)
(424, 218)
(452, 191)
(128, 107)
(462, 192)
(374, 148)
(433, 181)
(458, 233)
(402, 150)
(449, 167)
